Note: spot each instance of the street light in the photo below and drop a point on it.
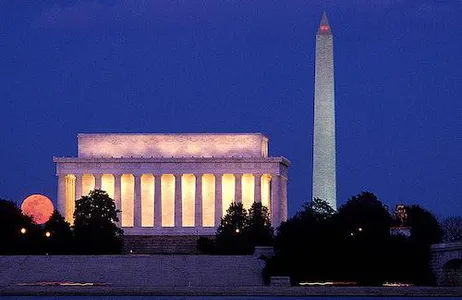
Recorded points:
(47, 234)
(23, 230)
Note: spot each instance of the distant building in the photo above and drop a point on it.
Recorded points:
(174, 184)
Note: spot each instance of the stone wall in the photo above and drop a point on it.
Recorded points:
(134, 270)
(442, 254)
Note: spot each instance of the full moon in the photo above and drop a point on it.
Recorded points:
(38, 207)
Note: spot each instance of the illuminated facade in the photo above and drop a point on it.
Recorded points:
(174, 184)
(324, 160)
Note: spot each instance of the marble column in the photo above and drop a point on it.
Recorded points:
(117, 195)
(78, 186)
(218, 199)
(275, 198)
(257, 189)
(72, 195)
(137, 193)
(98, 178)
(157, 200)
(198, 201)
(178, 201)
(283, 200)
(62, 201)
(237, 188)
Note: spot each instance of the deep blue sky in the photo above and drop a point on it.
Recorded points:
(239, 66)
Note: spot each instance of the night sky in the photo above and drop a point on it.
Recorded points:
(239, 66)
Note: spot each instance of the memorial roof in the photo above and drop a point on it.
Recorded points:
(113, 145)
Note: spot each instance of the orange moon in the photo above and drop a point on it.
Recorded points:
(38, 207)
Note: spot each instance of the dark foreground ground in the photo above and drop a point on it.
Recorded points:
(165, 275)
(231, 291)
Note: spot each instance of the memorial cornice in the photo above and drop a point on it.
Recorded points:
(233, 159)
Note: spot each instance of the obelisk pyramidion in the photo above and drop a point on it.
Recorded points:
(324, 182)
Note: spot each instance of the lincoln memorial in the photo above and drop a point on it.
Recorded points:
(174, 184)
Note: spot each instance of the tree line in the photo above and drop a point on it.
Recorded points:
(354, 244)
(363, 242)
(94, 230)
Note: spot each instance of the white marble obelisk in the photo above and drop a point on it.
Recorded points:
(324, 182)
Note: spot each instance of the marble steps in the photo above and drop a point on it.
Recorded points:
(148, 244)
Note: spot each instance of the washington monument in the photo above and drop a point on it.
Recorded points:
(324, 182)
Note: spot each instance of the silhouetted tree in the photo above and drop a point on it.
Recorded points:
(259, 229)
(363, 226)
(425, 231)
(230, 237)
(319, 209)
(94, 224)
(19, 234)
(305, 245)
(240, 231)
(424, 226)
(409, 257)
(59, 239)
(354, 244)
(452, 229)
(365, 216)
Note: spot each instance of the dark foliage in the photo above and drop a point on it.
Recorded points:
(364, 216)
(230, 237)
(306, 245)
(60, 239)
(425, 230)
(363, 225)
(11, 222)
(319, 244)
(354, 244)
(259, 229)
(239, 231)
(94, 225)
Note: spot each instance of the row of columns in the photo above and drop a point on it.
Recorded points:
(276, 210)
